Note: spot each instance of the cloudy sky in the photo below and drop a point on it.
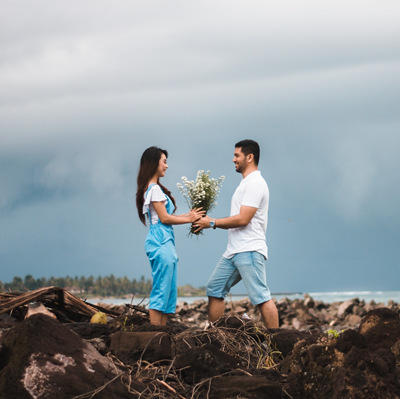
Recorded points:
(85, 87)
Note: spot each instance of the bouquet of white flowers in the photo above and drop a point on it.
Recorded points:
(201, 193)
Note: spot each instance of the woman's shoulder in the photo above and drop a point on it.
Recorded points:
(154, 187)
(155, 193)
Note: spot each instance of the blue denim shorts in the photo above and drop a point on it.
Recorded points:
(246, 266)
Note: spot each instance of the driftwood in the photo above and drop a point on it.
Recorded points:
(138, 308)
(58, 299)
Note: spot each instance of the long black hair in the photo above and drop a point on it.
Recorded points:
(148, 166)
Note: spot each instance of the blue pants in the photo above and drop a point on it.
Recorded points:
(160, 249)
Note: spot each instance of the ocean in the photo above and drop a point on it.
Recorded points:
(328, 297)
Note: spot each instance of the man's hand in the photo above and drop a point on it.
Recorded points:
(202, 223)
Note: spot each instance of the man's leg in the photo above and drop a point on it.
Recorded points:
(222, 279)
(251, 266)
(269, 313)
(216, 308)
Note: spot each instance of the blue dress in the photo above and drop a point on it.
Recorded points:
(160, 249)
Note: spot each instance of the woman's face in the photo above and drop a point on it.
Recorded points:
(162, 166)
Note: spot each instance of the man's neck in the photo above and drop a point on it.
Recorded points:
(248, 170)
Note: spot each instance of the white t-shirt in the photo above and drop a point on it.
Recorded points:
(155, 194)
(252, 191)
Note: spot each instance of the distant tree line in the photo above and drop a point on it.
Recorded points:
(82, 286)
(91, 286)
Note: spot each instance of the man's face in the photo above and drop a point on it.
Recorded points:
(240, 160)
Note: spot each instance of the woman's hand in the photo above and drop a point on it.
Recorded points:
(196, 214)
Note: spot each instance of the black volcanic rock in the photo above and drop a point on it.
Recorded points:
(41, 358)
(333, 354)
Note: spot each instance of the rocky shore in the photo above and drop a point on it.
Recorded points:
(50, 349)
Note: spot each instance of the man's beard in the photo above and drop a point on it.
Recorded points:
(239, 169)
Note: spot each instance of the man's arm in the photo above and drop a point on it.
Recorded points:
(242, 219)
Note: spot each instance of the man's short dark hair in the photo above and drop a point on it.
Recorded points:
(250, 147)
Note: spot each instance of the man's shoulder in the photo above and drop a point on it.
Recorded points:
(256, 180)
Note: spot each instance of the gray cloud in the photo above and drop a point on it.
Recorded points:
(86, 87)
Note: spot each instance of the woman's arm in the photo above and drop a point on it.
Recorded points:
(166, 218)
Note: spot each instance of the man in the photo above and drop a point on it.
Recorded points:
(244, 258)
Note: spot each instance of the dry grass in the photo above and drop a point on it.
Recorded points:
(248, 342)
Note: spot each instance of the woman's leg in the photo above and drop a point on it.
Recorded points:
(156, 317)
(163, 260)
(164, 319)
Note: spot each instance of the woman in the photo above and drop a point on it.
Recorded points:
(155, 202)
